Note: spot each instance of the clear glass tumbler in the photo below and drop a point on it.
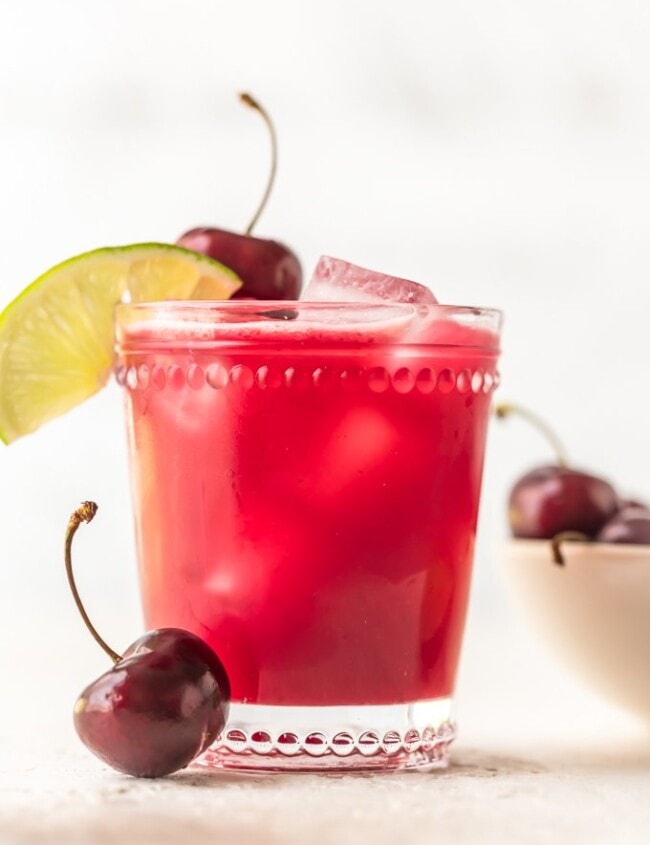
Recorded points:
(306, 483)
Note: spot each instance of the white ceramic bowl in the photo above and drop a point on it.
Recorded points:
(593, 612)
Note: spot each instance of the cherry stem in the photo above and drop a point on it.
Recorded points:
(507, 409)
(84, 513)
(565, 537)
(252, 103)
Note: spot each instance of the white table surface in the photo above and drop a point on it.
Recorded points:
(539, 760)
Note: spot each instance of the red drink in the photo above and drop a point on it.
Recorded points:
(306, 488)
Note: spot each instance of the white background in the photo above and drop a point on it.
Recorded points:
(498, 151)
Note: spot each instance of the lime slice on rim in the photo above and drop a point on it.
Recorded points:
(56, 337)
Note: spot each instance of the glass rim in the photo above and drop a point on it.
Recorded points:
(247, 322)
(309, 305)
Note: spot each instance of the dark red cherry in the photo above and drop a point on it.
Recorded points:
(552, 499)
(164, 701)
(268, 269)
(158, 708)
(630, 525)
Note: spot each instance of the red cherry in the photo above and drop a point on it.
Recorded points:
(269, 269)
(551, 500)
(160, 706)
(629, 525)
(164, 701)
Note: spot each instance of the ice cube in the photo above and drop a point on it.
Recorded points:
(335, 280)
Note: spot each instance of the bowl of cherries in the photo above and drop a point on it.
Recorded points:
(578, 565)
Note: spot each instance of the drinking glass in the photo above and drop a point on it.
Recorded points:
(306, 482)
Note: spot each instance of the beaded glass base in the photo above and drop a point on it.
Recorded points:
(345, 738)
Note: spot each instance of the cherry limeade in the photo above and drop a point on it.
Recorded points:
(306, 482)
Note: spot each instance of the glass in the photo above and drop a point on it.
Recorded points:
(306, 482)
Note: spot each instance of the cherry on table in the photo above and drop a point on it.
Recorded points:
(269, 269)
(163, 702)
